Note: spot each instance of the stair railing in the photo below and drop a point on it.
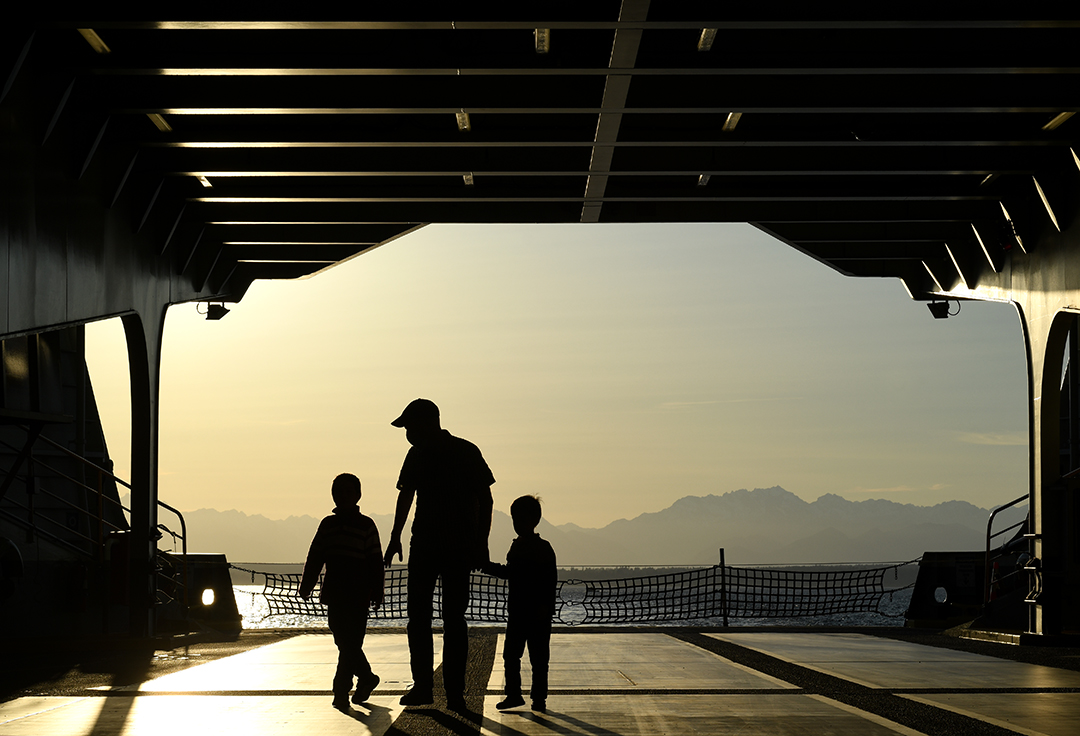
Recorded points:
(988, 579)
(102, 525)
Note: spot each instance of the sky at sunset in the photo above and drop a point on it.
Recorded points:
(610, 369)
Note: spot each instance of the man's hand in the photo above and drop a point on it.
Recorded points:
(392, 548)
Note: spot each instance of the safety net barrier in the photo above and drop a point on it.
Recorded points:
(716, 593)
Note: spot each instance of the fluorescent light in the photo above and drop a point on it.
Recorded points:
(1012, 227)
(956, 265)
(1046, 204)
(984, 249)
(463, 122)
(543, 40)
(1058, 120)
(159, 122)
(708, 35)
(703, 180)
(731, 121)
(204, 181)
(935, 278)
(95, 41)
(989, 178)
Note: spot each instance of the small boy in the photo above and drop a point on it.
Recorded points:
(347, 543)
(530, 568)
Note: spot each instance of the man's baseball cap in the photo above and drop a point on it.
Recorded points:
(418, 410)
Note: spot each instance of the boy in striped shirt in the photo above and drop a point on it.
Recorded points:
(347, 544)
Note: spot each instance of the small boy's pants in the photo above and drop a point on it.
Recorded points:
(534, 632)
(348, 624)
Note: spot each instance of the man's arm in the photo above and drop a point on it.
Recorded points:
(401, 515)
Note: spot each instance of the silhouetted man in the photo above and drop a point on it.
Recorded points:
(452, 486)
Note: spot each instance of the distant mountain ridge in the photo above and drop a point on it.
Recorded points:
(762, 526)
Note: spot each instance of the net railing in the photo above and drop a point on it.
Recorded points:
(711, 593)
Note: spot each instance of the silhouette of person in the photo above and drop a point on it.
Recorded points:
(347, 544)
(530, 568)
(452, 486)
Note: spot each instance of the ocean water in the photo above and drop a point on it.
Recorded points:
(255, 613)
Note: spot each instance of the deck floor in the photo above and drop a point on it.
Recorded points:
(611, 682)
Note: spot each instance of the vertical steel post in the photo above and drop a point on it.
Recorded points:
(723, 588)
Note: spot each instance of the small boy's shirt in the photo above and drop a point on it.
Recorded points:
(532, 574)
(347, 543)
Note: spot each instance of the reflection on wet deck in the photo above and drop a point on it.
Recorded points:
(631, 682)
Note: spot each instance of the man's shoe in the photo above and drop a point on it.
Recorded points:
(341, 702)
(417, 697)
(363, 692)
(456, 703)
(510, 701)
(540, 706)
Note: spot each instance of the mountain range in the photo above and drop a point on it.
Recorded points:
(760, 526)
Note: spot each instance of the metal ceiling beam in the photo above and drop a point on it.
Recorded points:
(426, 95)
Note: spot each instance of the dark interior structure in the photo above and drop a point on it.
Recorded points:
(147, 163)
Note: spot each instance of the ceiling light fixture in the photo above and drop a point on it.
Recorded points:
(1012, 227)
(95, 41)
(463, 122)
(731, 121)
(705, 42)
(543, 40)
(703, 180)
(1058, 119)
(204, 181)
(1046, 204)
(159, 122)
(468, 177)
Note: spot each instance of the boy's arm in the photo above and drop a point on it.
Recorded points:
(375, 595)
(314, 565)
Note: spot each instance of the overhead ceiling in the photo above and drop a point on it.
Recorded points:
(882, 146)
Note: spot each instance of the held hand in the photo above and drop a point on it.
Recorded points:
(481, 558)
(392, 548)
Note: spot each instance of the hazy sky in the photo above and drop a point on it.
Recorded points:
(611, 369)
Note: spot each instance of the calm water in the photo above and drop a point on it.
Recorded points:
(254, 610)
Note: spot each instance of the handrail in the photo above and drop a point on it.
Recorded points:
(100, 516)
(989, 538)
(183, 546)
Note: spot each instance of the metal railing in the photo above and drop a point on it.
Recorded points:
(99, 524)
(988, 578)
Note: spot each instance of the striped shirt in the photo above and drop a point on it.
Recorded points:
(347, 544)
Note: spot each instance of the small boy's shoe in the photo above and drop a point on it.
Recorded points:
(540, 706)
(363, 692)
(417, 697)
(510, 701)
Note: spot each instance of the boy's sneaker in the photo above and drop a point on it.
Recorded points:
(363, 692)
(540, 706)
(417, 697)
(510, 701)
